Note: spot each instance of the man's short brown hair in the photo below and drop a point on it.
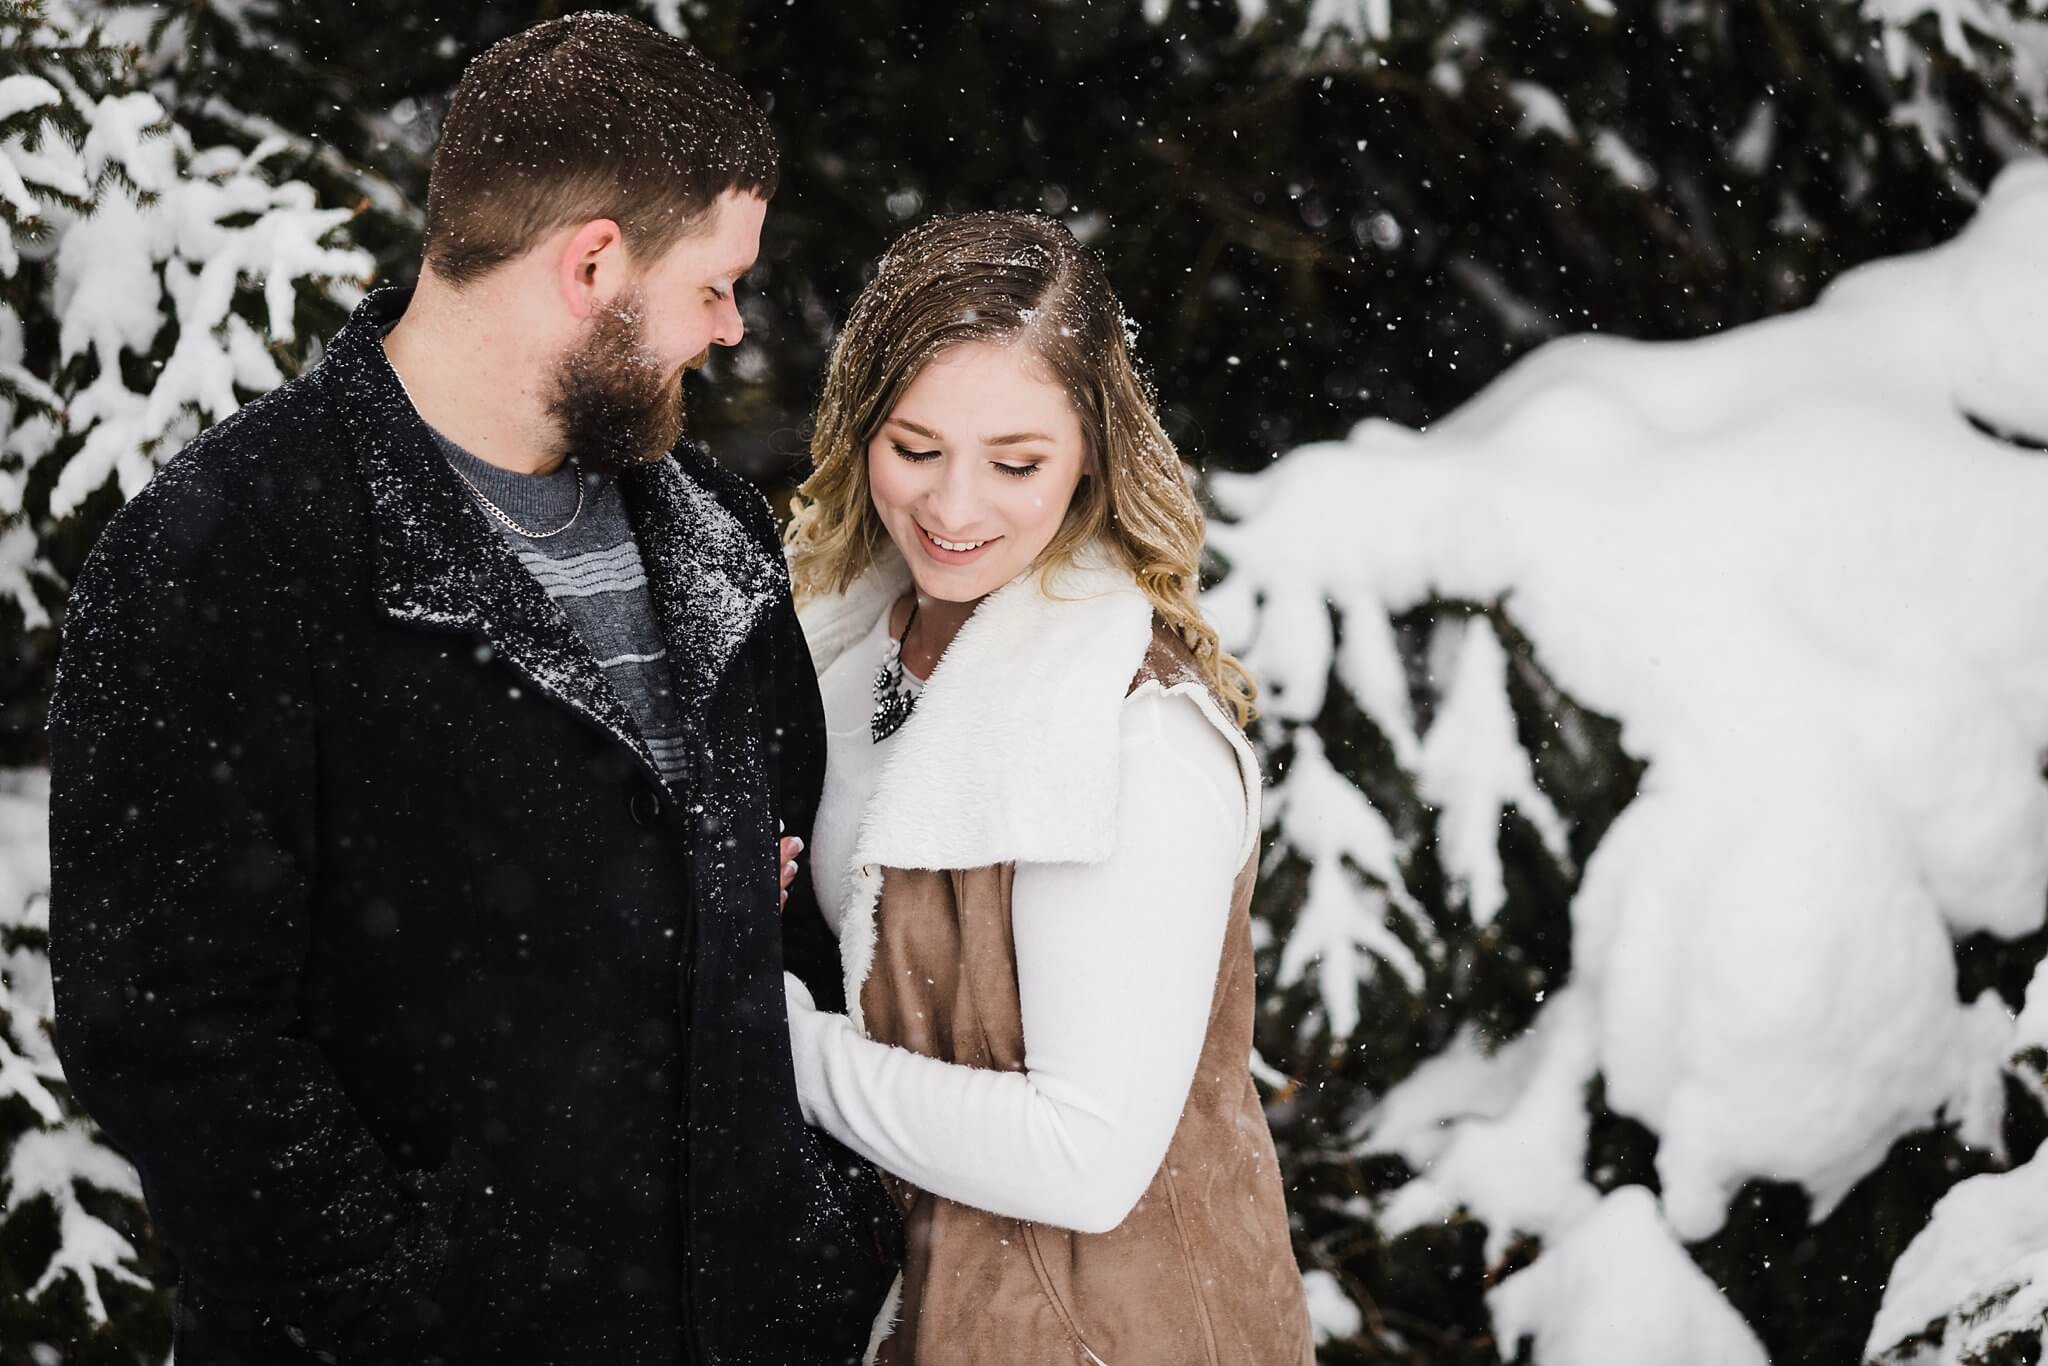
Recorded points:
(588, 116)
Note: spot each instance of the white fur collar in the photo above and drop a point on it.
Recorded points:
(1012, 753)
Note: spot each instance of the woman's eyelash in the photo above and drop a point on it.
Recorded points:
(919, 457)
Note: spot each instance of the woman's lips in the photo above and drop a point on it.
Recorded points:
(945, 556)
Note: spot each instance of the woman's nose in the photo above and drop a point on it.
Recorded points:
(952, 500)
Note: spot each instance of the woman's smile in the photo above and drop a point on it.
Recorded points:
(947, 551)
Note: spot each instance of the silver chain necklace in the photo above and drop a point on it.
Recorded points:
(506, 517)
(479, 494)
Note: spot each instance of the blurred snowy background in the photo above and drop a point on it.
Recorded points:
(1628, 429)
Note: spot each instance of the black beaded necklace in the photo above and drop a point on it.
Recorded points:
(895, 694)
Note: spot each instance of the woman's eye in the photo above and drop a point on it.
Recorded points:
(911, 455)
(1017, 471)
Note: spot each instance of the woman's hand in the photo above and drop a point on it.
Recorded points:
(791, 846)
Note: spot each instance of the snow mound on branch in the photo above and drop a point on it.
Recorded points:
(1522, 1162)
(1353, 859)
(28, 1055)
(1794, 563)
(1620, 1291)
(1330, 1310)
(1980, 1268)
(1472, 768)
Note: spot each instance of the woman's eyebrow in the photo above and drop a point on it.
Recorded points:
(1012, 439)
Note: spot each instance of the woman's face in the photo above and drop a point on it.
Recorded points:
(973, 470)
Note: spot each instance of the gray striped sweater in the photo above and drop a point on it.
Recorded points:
(593, 571)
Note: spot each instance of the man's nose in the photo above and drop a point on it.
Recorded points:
(731, 326)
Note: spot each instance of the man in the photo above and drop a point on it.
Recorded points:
(418, 750)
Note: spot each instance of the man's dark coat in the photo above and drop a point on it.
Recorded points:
(438, 1026)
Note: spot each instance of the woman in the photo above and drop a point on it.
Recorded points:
(1039, 830)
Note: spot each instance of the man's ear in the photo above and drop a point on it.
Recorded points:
(592, 265)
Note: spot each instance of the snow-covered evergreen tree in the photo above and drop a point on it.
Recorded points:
(153, 282)
(1660, 837)
(150, 282)
(1323, 210)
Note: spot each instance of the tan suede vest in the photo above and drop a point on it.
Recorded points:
(1200, 1274)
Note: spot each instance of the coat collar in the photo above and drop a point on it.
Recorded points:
(439, 562)
(712, 581)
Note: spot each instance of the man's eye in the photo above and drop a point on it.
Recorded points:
(911, 455)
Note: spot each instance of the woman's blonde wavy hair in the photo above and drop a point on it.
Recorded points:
(1010, 279)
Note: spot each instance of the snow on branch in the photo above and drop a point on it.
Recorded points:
(1354, 885)
(1473, 769)
(1975, 1275)
(215, 225)
(171, 273)
(54, 1157)
(49, 1164)
(1620, 1289)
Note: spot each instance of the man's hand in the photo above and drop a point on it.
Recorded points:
(791, 847)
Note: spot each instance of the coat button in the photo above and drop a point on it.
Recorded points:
(645, 806)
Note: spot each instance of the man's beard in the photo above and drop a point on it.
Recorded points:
(612, 404)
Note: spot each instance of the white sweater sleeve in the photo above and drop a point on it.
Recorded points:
(1116, 972)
